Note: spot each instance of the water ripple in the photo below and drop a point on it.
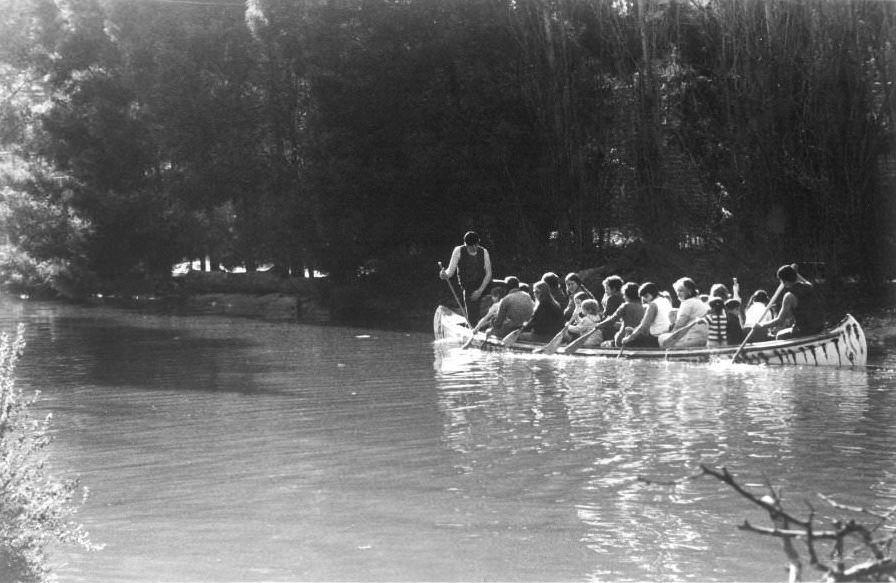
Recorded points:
(226, 449)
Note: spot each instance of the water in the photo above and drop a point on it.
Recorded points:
(224, 449)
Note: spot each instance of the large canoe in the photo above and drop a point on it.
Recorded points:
(843, 345)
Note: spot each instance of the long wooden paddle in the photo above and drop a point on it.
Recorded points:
(762, 317)
(677, 334)
(621, 345)
(578, 342)
(553, 344)
(511, 338)
(463, 309)
(469, 341)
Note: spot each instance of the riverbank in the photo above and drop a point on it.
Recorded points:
(383, 301)
(265, 296)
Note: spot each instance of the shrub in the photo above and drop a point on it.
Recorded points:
(35, 508)
(20, 273)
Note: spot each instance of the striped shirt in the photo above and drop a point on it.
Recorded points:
(718, 329)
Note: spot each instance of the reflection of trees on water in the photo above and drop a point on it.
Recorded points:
(604, 422)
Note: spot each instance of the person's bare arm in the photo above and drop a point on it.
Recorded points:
(487, 261)
(617, 315)
(680, 322)
(787, 305)
(501, 315)
(487, 319)
(644, 326)
(449, 271)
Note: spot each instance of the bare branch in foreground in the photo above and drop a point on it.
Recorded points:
(870, 559)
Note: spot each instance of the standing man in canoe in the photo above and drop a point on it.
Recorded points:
(474, 272)
(801, 306)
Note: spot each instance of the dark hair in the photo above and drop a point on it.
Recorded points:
(498, 291)
(760, 295)
(716, 304)
(688, 284)
(630, 291)
(787, 273)
(582, 295)
(732, 304)
(512, 282)
(542, 292)
(719, 290)
(649, 288)
(614, 282)
(574, 277)
(552, 279)
(471, 238)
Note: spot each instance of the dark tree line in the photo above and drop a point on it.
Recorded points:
(329, 134)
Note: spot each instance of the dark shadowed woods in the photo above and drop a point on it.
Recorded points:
(361, 138)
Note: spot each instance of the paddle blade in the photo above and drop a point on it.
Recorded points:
(579, 342)
(469, 341)
(511, 338)
(552, 346)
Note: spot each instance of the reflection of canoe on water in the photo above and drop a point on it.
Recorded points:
(843, 345)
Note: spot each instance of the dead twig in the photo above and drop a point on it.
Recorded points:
(858, 509)
(671, 483)
(870, 560)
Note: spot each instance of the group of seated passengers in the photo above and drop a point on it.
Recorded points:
(628, 314)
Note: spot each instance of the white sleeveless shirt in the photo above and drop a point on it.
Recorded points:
(662, 322)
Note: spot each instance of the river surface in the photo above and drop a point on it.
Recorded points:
(219, 449)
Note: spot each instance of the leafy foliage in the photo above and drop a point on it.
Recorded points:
(35, 508)
(334, 133)
(45, 239)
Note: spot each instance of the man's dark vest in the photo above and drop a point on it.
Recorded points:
(471, 269)
(808, 316)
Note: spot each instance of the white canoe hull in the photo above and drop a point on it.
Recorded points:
(844, 345)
